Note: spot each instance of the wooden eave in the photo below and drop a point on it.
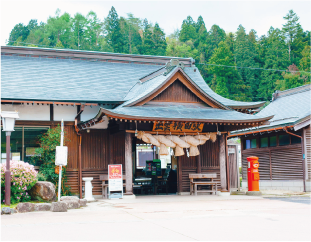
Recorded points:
(182, 77)
(110, 114)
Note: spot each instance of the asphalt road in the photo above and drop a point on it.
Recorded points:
(298, 199)
(168, 218)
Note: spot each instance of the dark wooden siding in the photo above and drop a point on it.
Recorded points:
(308, 150)
(276, 163)
(177, 92)
(209, 156)
(99, 148)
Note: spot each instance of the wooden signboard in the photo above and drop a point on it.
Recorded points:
(178, 127)
(115, 181)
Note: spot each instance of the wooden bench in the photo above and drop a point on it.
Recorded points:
(194, 183)
(104, 179)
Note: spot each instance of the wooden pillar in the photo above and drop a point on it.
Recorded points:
(303, 140)
(179, 175)
(198, 158)
(80, 166)
(222, 162)
(128, 164)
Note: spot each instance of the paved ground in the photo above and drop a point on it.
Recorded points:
(172, 217)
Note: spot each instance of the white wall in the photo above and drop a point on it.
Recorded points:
(89, 112)
(67, 113)
(29, 112)
(283, 185)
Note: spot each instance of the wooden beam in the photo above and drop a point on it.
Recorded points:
(128, 164)
(51, 112)
(222, 163)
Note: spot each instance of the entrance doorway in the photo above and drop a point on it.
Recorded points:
(153, 174)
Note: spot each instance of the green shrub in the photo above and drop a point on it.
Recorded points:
(41, 177)
(46, 158)
(23, 178)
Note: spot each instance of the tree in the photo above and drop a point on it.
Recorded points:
(226, 80)
(214, 37)
(79, 23)
(148, 44)
(59, 29)
(159, 40)
(93, 32)
(130, 28)
(114, 37)
(290, 30)
(245, 55)
(275, 57)
(305, 65)
(188, 30)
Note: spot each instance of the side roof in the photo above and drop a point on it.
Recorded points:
(288, 107)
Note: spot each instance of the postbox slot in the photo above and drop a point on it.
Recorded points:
(256, 177)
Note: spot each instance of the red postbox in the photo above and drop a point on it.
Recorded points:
(252, 173)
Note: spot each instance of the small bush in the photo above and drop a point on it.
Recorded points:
(41, 177)
(23, 178)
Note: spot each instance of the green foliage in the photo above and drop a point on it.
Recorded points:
(45, 156)
(41, 177)
(114, 35)
(226, 82)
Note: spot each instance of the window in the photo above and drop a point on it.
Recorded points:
(144, 152)
(24, 140)
(250, 143)
(264, 142)
(284, 139)
(272, 141)
(295, 139)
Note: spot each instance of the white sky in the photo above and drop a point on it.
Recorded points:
(258, 15)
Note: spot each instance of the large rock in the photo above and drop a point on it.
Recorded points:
(72, 204)
(82, 202)
(43, 191)
(13, 210)
(6, 210)
(59, 207)
(69, 198)
(25, 207)
(43, 207)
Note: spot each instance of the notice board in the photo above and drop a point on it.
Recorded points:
(115, 181)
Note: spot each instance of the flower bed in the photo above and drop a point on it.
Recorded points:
(23, 178)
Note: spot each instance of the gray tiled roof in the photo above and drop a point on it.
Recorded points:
(30, 78)
(182, 112)
(287, 109)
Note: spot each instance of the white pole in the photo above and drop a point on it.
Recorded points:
(60, 167)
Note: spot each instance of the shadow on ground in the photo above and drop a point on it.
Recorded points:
(303, 200)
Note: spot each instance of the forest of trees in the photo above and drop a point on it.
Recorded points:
(240, 66)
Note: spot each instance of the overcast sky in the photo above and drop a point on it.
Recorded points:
(258, 15)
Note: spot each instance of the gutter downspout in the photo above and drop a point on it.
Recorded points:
(303, 160)
(79, 152)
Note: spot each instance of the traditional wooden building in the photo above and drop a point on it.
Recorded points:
(283, 146)
(105, 98)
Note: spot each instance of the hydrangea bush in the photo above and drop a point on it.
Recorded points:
(23, 178)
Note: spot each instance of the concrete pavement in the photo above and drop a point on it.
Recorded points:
(172, 217)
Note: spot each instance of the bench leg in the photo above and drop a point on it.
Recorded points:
(216, 189)
(191, 188)
(195, 189)
(106, 192)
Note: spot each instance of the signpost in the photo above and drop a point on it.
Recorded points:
(115, 181)
(61, 158)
